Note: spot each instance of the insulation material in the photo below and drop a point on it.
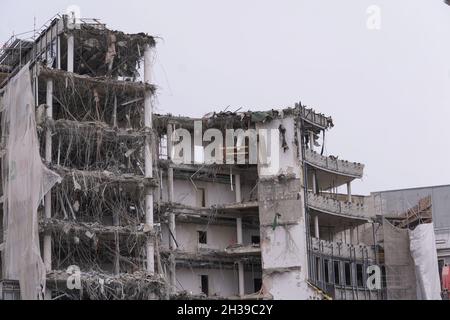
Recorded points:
(424, 254)
(25, 181)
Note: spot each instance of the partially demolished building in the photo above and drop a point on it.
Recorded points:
(113, 214)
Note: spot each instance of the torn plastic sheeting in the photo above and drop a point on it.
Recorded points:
(424, 254)
(25, 182)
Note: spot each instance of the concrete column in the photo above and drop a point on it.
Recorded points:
(239, 200)
(352, 236)
(114, 116)
(3, 241)
(58, 53)
(357, 235)
(150, 248)
(240, 236)
(70, 53)
(48, 158)
(116, 223)
(311, 140)
(172, 220)
(47, 250)
(241, 279)
(349, 191)
(316, 227)
(314, 184)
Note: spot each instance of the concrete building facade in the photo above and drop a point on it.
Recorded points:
(128, 214)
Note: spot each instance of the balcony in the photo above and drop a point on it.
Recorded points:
(338, 208)
(343, 251)
(330, 164)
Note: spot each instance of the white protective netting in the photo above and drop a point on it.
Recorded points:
(25, 182)
(424, 254)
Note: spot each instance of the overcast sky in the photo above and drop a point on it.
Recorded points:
(388, 90)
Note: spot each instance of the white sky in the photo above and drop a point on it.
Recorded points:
(388, 90)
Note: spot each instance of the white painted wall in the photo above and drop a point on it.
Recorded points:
(288, 162)
(222, 283)
(219, 237)
(186, 194)
(284, 248)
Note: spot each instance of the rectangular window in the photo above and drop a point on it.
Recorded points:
(326, 271)
(256, 240)
(202, 237)
(348, 274)
(205, 285)
(337, 278)
(201, 198)
(360, 275)
(258, 285)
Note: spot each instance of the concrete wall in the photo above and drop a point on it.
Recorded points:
(284, 251)
(400, 270)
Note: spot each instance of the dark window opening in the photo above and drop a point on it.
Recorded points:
(201, 198)
(202, 237)
(441, 264)
(258, 285)
(205, 285)
(318, 277)
(348, 275)
(326, 271)
(360, 275)
(256, 240)
(383, 276)
(337, 279)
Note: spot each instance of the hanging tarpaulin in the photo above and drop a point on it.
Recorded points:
(25, 182)
(424, 254)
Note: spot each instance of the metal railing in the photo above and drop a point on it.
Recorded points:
(340, 270)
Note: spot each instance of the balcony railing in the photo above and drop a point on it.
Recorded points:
(334, 165)
(340, 250)
(332, 206)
